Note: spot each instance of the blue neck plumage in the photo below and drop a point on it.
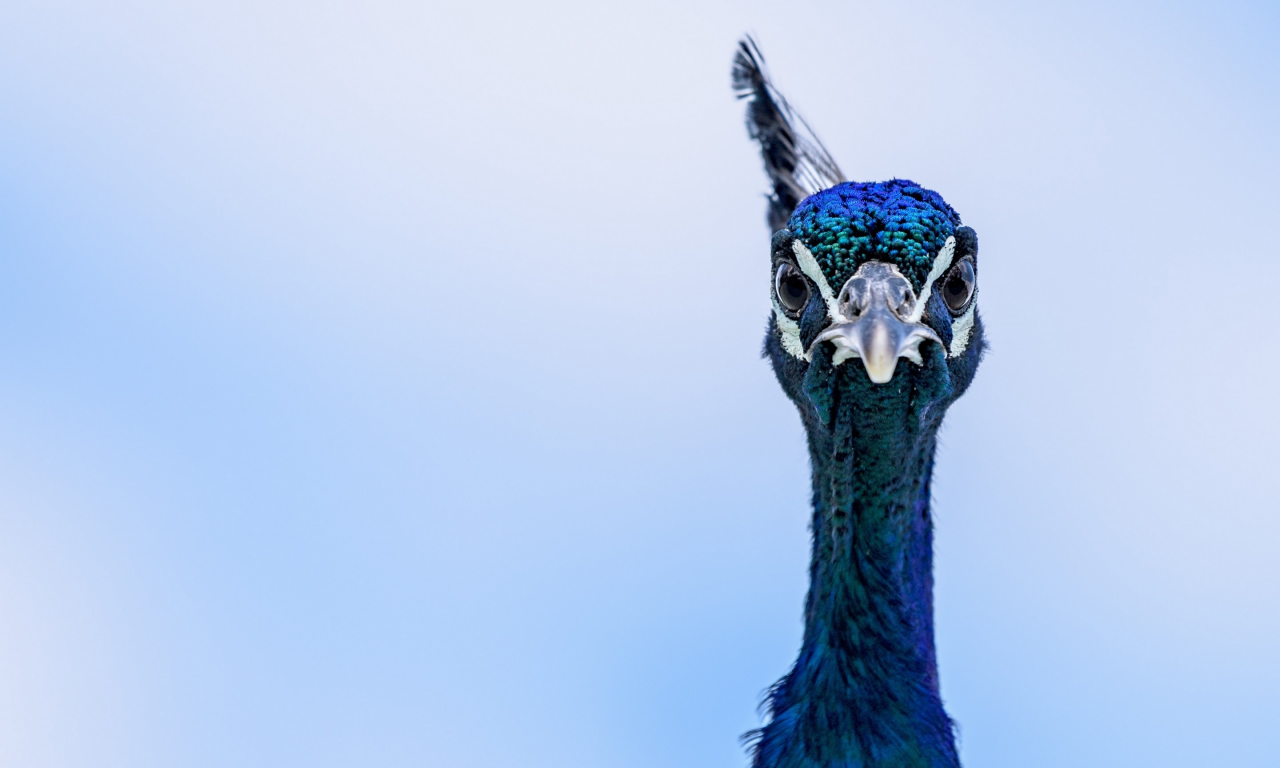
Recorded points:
(864, 690)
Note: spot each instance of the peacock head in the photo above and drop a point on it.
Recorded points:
(874, 291)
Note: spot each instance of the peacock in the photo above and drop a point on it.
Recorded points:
(884, 273)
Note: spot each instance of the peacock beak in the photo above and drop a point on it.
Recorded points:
(881, 303)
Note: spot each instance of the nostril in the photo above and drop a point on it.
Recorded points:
(852, 296)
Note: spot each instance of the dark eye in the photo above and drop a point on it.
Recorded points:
(791, 287)
(958, 288)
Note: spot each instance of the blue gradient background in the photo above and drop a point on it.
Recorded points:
(380, 382)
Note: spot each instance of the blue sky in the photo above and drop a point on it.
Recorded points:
(380, 383)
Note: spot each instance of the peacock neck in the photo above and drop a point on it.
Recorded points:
(864, 690)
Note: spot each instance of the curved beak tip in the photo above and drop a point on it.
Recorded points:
(880, 371)
(878, 343)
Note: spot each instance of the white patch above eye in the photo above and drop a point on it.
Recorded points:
(809, 266)
(788, 329)
(962, 328)
(940, 265)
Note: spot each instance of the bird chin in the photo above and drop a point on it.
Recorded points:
(911, 388)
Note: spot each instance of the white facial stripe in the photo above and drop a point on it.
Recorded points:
(809, 266)
(962, 329)
(789, 333)
(940, 264)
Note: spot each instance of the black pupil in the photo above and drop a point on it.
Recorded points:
(793, 290)
(959, 286)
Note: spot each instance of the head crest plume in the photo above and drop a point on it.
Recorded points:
(797, 163)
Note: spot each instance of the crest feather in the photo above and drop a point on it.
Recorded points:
(797, 163)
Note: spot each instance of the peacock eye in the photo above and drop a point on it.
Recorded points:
(958, 289)
(791, 288)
